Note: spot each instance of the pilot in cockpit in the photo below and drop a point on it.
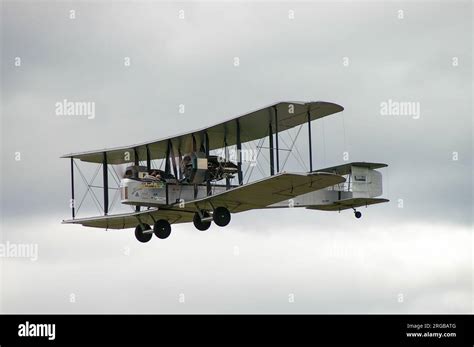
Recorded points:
(154, 175)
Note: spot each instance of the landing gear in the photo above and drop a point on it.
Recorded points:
(141, 233)
(162, 229)
(221, 216)
(357, 214)
(199, 224)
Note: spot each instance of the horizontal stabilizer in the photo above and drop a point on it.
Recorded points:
(345, 169)
(348, 203)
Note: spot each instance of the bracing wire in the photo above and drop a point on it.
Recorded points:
(88, 184)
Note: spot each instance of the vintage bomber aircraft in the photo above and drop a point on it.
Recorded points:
(187, 190)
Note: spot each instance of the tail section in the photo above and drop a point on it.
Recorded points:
(362, 187)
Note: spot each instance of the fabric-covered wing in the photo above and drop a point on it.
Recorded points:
(345, 169)
(252, 126)
(348, 203)
(131, 220)
(262, 193)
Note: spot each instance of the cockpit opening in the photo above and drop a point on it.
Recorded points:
(141, 173)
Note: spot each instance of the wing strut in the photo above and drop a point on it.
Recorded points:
(180, 158)
(73, 209)
(167, 162)
(270, 139)
(105, 174)
(148, 160)
(206, 150)
(309, 144)
(239, 153)
(173, 160)
(136, 159)
(137, 163)
(226, 155)
(276, 141)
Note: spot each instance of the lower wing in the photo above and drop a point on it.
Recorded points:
(262, 193)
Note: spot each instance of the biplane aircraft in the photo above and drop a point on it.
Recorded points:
(203, 188)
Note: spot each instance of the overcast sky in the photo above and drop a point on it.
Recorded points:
(413, 254)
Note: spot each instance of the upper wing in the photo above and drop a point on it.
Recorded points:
(267, 191)
(252, 126)
(131, 220)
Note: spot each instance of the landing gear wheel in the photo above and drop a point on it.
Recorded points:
(357, 214)
(162, 229)
(221, 216)
(142, 237)
(200, 225)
